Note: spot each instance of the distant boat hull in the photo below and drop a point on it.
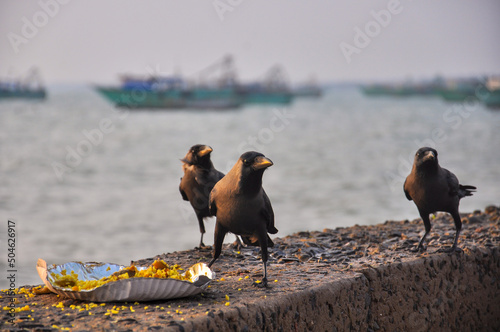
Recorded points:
(212, 98)
(22, 94)
(172, 99)
(398, 91)
(308, 93)
(456, 95)
(492, 99)
(471, 91)
(136, 98)
(267, 97)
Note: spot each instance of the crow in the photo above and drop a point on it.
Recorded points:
(199, 178)
(242, 207)
(433, 189)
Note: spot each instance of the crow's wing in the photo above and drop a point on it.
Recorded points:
(220, 175)
(212, 207)
(406, 191)
(452, 182)
(183, 194)
(268, 214)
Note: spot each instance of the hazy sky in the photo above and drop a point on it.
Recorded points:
(92, 41)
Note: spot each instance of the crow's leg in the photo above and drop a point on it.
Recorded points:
(458, 226)
(427, 224)
(263, 249)
(202, 229)
(219, 234)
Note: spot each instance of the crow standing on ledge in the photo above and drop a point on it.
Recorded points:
(199, 178)
(242, 207)
(433, 189)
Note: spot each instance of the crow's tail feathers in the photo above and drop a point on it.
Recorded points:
(272, 229)
(465, 190)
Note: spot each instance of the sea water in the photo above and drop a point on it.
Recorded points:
(85, 181)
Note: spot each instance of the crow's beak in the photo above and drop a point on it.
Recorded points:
(262, 162)
(429, 155)
(206, 150)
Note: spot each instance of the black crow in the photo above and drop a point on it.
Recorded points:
(242, 207)
(433, 189)
(199, 178)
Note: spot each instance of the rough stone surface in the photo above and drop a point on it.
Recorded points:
(358, 278)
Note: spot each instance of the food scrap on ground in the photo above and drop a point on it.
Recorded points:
(157, 269)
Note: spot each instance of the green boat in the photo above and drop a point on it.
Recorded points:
(20, 93)
(398, 90)
(492, 99)
(376, 90)
(140, 98)
(28, 87)
(461, 90)
(405, 89)
(151, 92)
(267, 97)
(491, 95)
(258, 93)
(272, 89)
(308, 92)
(221, 92)
(456, 95)
(212, 98)
(197, 98)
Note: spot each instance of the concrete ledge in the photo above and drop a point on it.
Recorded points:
(341, 303)
(439, 292)
(443, 292)
(358, 278)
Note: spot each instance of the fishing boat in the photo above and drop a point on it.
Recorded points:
(140, 98)
(457, 94)
(151, 92)
(394, 90)
(212, 98)
(313, 91)
(216, 87)
(491, 97)
(492, 100)
(8, 91)
(260, 94)
(374, 90)
(273, 89)
(405, 89)
(190, 98)
(173, 92)
(459, 90)
(29, 87)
